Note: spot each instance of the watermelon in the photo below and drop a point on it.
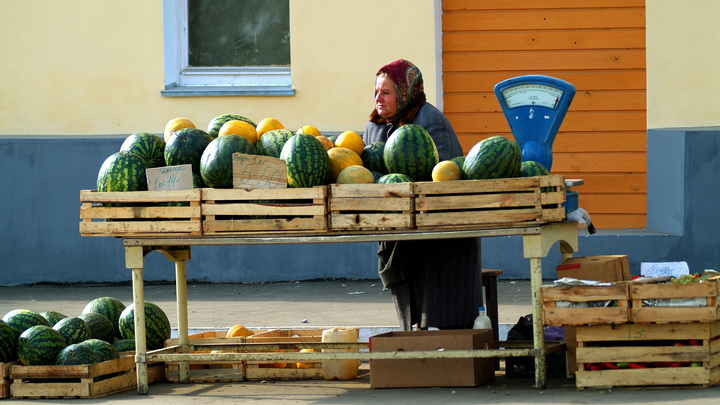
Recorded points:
(20, 320)
(372, 157)
(459, 160)
(395, 178)
(411, 151)
(8, 343)
(216, 123)
(40, 345)
(272, 142)
(104, 350)
(197, 180)
(377, 176)
(308, 163)
(185, 147)
(531, 168)
(122, 171)
(100, 326)
(157, 325)
(110, 307)
(75, 355)
(493, 158)
(124, 345)
(151, 148)
(333, 138)
(53, 317)
(216, 162)
(73, 329)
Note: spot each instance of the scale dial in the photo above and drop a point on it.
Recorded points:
(532, 95)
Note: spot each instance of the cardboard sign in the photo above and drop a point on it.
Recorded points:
(253, 171)
(660, 269)
(170, 178)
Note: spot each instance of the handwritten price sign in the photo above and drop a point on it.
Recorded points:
(253, 171)
(170, 178)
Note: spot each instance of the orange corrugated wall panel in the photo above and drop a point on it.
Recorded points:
(597, 45)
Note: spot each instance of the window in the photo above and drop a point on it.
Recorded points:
(226, 47)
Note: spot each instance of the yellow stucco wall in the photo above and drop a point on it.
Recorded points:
(683, 63)
(83, 67)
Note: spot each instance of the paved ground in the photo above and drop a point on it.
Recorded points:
(319, 304)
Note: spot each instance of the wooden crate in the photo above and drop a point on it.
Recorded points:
(5, 379)
(371, 206)
(266, 370)
(585, 305)
(260, 210)
(510, 202)
(644, 295)
(140, 213)
(656, 346)
(83, 381)
(208, 371)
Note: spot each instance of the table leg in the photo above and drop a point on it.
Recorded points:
(135, 260)
(182, 317)
(538, 327)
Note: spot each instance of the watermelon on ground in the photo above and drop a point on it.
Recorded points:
(8, 343)
(122, 171)
(157, 325)
(308, 164)
(493, 158)
(103, 349)
(395, 178)
(411, 151)
(185, 147)
(73, 329)
(216, 162)
(100, 326)
(216, 123)
(21, 320)
(76, 354)
(53, 317)
(110, 307)
(40, 345)
(151, 148)
(272, 142)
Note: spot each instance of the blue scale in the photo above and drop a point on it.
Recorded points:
(534, 107)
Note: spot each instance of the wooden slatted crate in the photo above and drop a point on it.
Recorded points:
(585, 305)
(83, 381)
(208, 371)
(371, 206)
(523, 201)
(657, 303)
(264, 370)
(5, 379)
(672, 354)
(244, 211)
(140, 213)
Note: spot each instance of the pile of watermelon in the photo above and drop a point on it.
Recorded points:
(103, 329)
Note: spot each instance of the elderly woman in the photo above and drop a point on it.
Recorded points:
(434, 283)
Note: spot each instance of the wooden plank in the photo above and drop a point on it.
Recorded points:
(338, 204)
(88, 212)
(366, 220)
(619, 221)
(579, 163)
(642, 377)
(601, 142)
(651, 332)
(544, 19)
(492, 124)
(371, 190)
(612, 59)
(465, 82)
(140, 196)
(618, 203)
(260, 208)
(616, 183)
(486, 102)
(483, 41)
(264, 225)
(463, 5)
(265, 194)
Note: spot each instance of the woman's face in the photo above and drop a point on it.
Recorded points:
(385, 97)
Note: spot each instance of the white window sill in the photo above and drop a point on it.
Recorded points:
(223, 91)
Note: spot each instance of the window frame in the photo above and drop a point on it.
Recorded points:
(182, 80)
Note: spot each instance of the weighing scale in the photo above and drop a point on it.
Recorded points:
(534, 106)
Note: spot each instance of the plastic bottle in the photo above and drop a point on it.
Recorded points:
(340, 369)
(482, 321)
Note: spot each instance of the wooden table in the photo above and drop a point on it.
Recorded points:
(537, 241)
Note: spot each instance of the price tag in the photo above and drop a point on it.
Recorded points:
(253, 171)
(674, 269)
(170, 178)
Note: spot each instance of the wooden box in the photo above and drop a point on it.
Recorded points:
(371, 206)
(657, 303)
(585, 305)
(208, 371)
(83, 381)
(673, 354)
(265, 370)
(513, 202)
(5, 379)
(140, 213)
(260, 210)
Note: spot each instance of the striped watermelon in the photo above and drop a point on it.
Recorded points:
(185, 147)
(531, 168)
(73, 329)
(8, 343)
(151, 148)
(157, 325)
(272, 142)
(216, 123)
(308, 163)
(76, 354)
(124, 345)
(493, 158)
(395, 178)
(122, 171)
(410, 150)
(104, 350)
(216, 162)
(110, 307)
(53, 317)
(21, 320)
(40, 345)
(100, 326)
(460, 161)
(372, 157)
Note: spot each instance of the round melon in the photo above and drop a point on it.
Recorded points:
(446, 170)
(122, 171)
(100, 326)
(76, 354)
(341, 158)
(216, 123)
(532, 168)
(21, 320)
(395, 178)
(372, 157)
(186, 146)
(125, 345)
(411, 151)
(151, 148)
(53, 317)
(8, 343)
(272, 142)
(355, 175)
(104, 350)
(110, 307)
(157, 325)
(40, 345)
(73, 329)
(460, 161)
(216, 162)
(308, 163)
(493, 158)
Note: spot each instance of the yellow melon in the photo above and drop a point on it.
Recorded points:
(355, 175)
(268, 124)
(308, 129)
(176, 124)
(340, 158)
(242, 128)
(445, 171)
(351, 140)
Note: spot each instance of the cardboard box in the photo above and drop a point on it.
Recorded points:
(597, 268)
(466, 372)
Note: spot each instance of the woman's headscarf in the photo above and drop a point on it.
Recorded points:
(410, 91)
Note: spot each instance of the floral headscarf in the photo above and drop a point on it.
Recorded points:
(410, 91)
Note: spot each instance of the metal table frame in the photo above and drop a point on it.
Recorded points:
(537, 241)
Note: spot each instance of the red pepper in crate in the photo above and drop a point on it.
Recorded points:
(611, 366)
(638, 365)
